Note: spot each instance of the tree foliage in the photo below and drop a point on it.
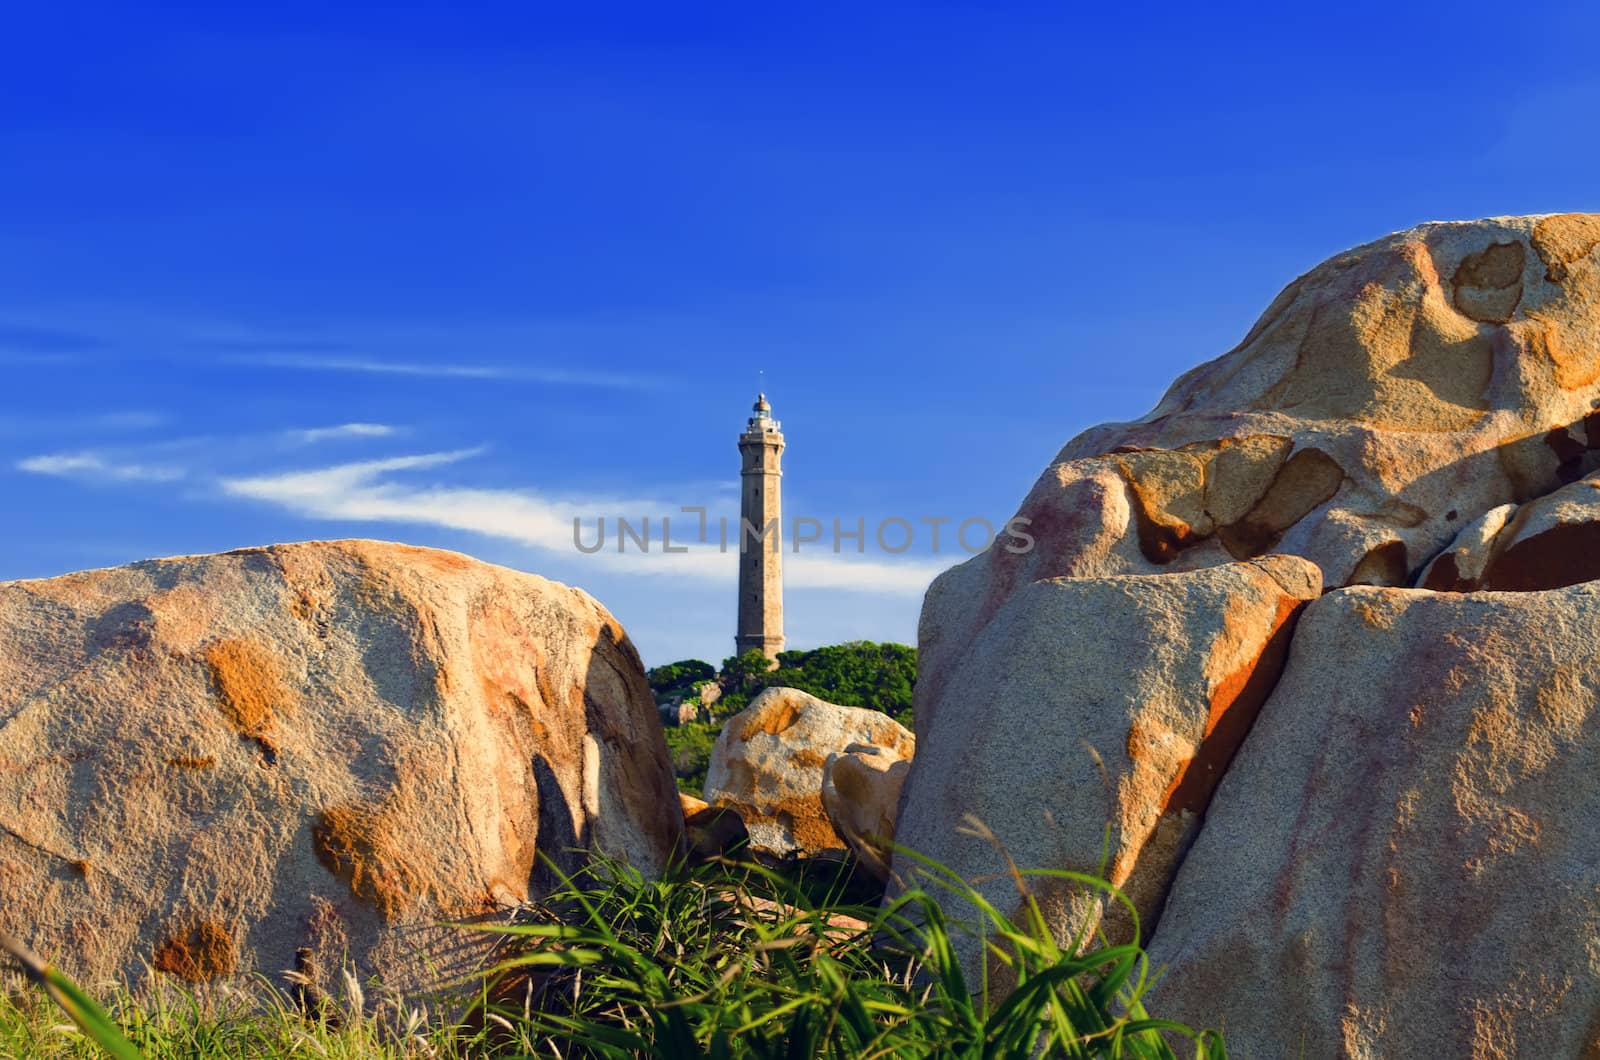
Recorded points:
(678, 676)
(690, 746)
(741, 670)
(858, 674)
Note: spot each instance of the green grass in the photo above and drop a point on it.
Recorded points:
(740, 961)
(251, 1019)
(721, 960)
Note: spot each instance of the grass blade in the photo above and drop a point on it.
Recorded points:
(90, 1017)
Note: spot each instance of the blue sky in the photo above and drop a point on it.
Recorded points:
(450, 275)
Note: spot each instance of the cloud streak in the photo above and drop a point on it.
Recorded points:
(368, 492)
(441, 370)
(87, 465)
(314, 435)
(392, 490)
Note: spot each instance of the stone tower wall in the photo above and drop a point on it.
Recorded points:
(760, 561)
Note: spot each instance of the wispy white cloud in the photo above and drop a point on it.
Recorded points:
(844, 573)
(372, 365)
(367, 492)
(95, 466)
(364, 492)
(389, 490)
(444, 370)
(313, 435)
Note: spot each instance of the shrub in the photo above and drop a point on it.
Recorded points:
(690, 745)
(746, 670)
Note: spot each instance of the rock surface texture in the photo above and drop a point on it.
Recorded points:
(1406, 827)
(1545, 544)
(1384, 400)
(709, 831)
(284, 758)
(1115, 700)
(768, 761)
(1410, 856)
(861, 796)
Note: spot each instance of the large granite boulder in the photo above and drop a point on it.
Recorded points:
(1092, 702)
(768, 761)
(291, 757)
(1399, 862)
(1404, 859)
(1384, 400)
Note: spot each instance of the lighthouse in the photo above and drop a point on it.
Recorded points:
(760, 548)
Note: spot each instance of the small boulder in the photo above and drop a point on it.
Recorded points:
(768, 761)
(1464, 565)
(710, 831)
(861, 792)
(676, 714)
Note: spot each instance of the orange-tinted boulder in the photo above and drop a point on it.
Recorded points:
(711, 831)
(1430, 394)
(1383, 401)
(861, 794)
(1550, 542)
(287, 757)
(768, 762)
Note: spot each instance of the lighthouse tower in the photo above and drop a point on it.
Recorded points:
(760, 561)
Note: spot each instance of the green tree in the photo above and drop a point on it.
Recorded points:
(857, 674)
(752, 667)
(678, 676)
